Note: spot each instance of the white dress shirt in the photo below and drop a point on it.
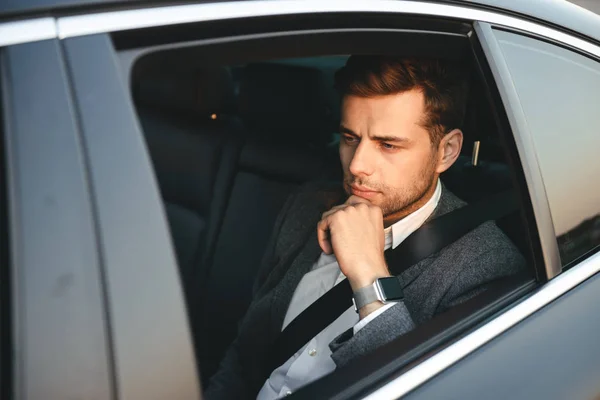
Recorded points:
(314, 359)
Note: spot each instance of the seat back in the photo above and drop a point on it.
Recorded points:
(286, 145)
(191, 133)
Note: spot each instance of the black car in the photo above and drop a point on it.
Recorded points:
(147, 148)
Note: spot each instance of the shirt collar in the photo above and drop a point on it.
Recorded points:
(407, 225)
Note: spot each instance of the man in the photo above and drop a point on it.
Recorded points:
(400, 122)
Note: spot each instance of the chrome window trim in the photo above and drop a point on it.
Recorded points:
(437, 363)
(112, 21)
(28, 30)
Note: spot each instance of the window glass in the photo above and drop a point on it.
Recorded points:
(558, 90)
(230, 142)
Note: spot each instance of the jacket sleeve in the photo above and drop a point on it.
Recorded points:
(392, 323)
(473, 278)
(477, 276)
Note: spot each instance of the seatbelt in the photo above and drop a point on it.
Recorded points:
(429, 239)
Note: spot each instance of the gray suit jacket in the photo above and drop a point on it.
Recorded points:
(460, 271)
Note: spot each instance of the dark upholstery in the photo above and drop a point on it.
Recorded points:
(190, 134)
(185, 88)
(224, 183)
(187, 231)
(287, 104)
(287, 136)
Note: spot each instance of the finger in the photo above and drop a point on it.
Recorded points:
(333, 210)
(354, 200)
(324, 237)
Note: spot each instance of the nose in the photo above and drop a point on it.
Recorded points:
(361, 163)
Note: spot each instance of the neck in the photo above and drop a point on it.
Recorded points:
(391, 219)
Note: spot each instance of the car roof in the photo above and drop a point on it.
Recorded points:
(559, 13)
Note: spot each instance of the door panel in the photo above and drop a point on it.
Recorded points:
(553, 354)
(60, 336)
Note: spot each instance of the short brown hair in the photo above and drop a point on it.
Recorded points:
(442, 83)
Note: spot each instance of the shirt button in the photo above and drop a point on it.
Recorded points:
(312, 352)
(289, 392)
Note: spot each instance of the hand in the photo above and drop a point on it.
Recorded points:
(354, 232)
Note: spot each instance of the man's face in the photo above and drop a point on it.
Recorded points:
(386, 154)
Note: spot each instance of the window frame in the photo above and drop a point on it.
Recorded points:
(370, 374)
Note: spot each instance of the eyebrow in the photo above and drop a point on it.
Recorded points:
(379, 138)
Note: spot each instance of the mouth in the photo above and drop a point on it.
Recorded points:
(363, 192)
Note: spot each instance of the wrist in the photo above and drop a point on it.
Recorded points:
(361, 273)
(371, 297)
(360, 282)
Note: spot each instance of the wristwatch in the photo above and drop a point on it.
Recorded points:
(383, 290)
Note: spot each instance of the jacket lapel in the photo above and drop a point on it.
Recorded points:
(300, 259)
(448, 202)
(301, 265)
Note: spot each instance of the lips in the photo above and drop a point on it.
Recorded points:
(362, 191)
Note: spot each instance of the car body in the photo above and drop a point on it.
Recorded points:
(92, 304)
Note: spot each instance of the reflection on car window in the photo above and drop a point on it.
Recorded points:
(558, 90)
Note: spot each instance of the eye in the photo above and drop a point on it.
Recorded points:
(388, 146)
(350, 139)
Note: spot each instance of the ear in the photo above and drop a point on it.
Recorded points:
(449, 150)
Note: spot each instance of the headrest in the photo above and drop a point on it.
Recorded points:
(199, 91)
(285, 103)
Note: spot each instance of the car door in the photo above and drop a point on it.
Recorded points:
(132, 321)
(550, 88)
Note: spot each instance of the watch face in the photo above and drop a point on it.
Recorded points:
(391, 288)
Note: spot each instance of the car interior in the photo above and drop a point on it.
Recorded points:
(231, 141)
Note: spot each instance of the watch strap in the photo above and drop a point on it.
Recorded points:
(366, 295)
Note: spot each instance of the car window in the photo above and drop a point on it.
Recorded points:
(558, 90)
(230, 142)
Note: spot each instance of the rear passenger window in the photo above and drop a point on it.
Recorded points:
(558, 90)
(232, 135)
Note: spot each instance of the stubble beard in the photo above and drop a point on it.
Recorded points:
(407, 200)
(401, 201)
